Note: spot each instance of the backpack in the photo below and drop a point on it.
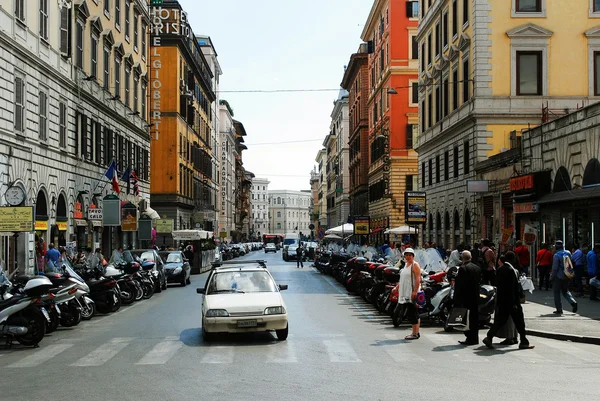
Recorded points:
(481, 259)
(568, 266)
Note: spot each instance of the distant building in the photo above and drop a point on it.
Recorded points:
(260, 206)
(320, 208)
(289, 211)
(227, 181)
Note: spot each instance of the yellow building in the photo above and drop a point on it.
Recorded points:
(487, 71)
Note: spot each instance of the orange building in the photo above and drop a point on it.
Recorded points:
(390, 33)
(182, 175)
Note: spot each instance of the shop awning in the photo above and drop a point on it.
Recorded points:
(402, 230)
(191, 235)
(569, 196)
(81, 223)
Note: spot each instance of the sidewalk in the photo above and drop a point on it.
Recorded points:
(584, 326)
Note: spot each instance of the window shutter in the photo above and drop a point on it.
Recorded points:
(65, 29)
(19, 95)
(409, 9)
(409, 136)
(99, 140)
(84, 136)
(77, 124)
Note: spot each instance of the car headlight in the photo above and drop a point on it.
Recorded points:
(177, 270)
(217, 313)
(275, 310)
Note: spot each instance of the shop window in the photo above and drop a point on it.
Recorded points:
(591, 175)
(562, 181)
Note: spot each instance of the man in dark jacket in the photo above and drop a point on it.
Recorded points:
(466, 295)
(508, 301)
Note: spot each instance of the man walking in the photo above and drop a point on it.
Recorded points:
(488, 263)
(466, 295)
(508, 302)
(523, 257)
(51, 257)
(592, 268)
(300, 256)
(560, 282)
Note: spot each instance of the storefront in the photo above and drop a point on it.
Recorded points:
(59, 230)
(41, 230)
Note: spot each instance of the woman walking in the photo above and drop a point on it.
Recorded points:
(410, 282)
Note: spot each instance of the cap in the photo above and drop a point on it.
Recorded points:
(409, 250)
(558, 244)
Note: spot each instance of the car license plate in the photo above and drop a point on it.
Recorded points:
(45, 313)
(247, 323)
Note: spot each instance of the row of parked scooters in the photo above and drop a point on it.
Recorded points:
(33, 306)
(377, 283)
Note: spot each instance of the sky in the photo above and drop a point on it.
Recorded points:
(272, 45)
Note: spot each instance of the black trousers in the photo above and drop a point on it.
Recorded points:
(473, 334)
(488, 277)
(502, 314)
(299, 261)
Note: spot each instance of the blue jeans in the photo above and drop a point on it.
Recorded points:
(561, 286)
(579, 279)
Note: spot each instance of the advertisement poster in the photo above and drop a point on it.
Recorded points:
(165, 226)
(506, 235)
(16, 219)
(415, 207)
(362, 225)
(529, 234)
(129, 218)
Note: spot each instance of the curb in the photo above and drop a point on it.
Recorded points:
(565, 337)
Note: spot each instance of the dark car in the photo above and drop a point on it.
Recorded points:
(150, 255)
(177, 267)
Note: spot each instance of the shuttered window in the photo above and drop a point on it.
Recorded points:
(44, 19)
(43, 116)
(20, 10)
(94, 56)
(19, 104)
(98, 145)
(79, 41)
(62, 124)
(65, 31)
(83, 129)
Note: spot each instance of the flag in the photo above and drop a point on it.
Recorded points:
(111, 174)
(135, 179)
(115, 185)
(126, 176)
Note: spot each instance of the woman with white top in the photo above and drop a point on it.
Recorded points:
(410, 282)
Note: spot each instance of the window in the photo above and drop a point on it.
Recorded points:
(438, 104)
(446, 166)
(455, 89)
(430, 110)
(127, 84)
(595, 6)
(445, 97)
(19, 104)
(279, 226)
(62, 124)
(412, 9)
(423, 116)
(20, 10)
(98, 138)
(437, 169)
(127, 20)
(430, 171)
(445, 30)
(466, 12)
(118, 14)
(596, 73)
(466, 80)
(143, 111)
(94, 57)
(438, 41)
(143, 35)
(44, 19)
(43, 116)
(107, 8)
(136, 86)
(410, 183)
(454, 18)
(529, 73)
(415, 48)
(410, 136)
(65, 31)
(415, 93)
(117, 77)
(423, 57)
(106, 62)
(79, 41)
(136, 33)
(528, 6)
(429, 49)
(466, 157)
(279, 214)
(423, 173)
(455, 162)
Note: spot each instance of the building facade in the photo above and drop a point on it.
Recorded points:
(390, 33)
(75, 99)
(321, 208)
(183, 183)
(355, 81)
(487, 71)
(228, 151)
(260, 206)
(315, 185)
(243, 183)
(289, 212)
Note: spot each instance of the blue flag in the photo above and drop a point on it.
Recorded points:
(112, 169)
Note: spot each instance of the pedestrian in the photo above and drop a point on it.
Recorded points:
(117, 256)
(509, 330)
(523, 256)
(560, 282)
(543, 261)
(300, 256)
(475, 251)
(508, 302)
(579, 259)
(592, 271)
(455, 256)
(408, 286)
(487, 262)
(466, 295)
(51, 258)
(189, 254)
(80, 257)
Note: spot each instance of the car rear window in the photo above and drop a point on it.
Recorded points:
(241, 281)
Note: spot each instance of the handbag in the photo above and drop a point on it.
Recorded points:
(459, 319)
(568, 267)
(421, 300)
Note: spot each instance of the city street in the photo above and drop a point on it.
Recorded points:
(338, 349)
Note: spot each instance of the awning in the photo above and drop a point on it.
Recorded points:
(191, 235)
(151, 213)
(573, 195)
(344, 229)
(401, 230)
(96, 223)
(81, 223)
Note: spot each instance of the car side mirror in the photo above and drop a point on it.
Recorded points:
(283, 287)
(201, 290)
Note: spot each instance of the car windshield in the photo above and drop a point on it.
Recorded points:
(289, 241)
(144, 256)
(172, 258)
(241, 282)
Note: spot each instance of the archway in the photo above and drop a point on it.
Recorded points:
(467, 226)
(562, 180)
(591, 175)
(438, 227)
(447, 230)
(456, 228)
(60, 237)
(41, 229)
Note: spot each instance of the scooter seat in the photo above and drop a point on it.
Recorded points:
(5, 303)
(100, 282)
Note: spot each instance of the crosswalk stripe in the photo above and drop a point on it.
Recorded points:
(40, 356)
(161, 353)
(570, 349)
(340, 351)
(400, 353)
(103, 353)
(218, 354)
(283, 352)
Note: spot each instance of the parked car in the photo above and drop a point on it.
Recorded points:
(242, 297)
(150, 255)
(270, 248)
(177, 267)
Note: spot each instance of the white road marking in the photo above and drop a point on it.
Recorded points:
(218, 354)
(340, 351)
(463, 353)
(283, 352)
(570, 349)
(40, 356)
(161, 353)
(400, 352)
(103, 353)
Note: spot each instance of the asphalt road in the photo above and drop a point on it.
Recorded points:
(338, 349)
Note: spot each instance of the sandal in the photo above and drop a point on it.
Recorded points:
(413, 336)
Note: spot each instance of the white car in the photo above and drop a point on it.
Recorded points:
(242, 297)
(270, 247)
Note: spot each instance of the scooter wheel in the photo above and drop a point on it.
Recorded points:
(36, 327)
(88, 311)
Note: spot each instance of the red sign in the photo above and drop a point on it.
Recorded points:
(527, 207)
(521, 183)
(78, 213)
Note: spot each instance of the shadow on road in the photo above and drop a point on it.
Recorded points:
(193, 338)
